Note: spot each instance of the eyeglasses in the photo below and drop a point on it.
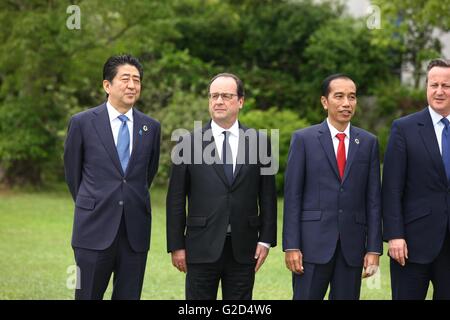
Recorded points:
(225, 96)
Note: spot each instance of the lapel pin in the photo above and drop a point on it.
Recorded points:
(357, 141)
(145, 128)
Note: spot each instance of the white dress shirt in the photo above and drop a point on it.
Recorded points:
(335, 140)
(233, 139)
(115, 123)
(438, 126)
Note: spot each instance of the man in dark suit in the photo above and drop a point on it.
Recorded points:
(332, 216)
(416, 194)
(231, 217)
(111, 155)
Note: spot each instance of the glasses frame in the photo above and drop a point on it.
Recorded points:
(224, 95)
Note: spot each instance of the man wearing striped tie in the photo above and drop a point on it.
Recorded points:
(111, 156)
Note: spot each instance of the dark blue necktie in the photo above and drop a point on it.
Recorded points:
(227, 157)
(446, 147)
(123, 143)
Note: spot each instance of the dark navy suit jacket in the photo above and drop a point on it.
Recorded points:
(101, 190)
(319, 209)
(416, 193)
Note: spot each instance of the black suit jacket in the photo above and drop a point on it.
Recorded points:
(415, 191)
(100, 188)
(248, 205)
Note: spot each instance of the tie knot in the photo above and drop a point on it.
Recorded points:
(341, 136)
(226, 133)
(445, 122)
(123, 118)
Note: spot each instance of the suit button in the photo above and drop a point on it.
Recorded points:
(124, 180)
(120, 203)
(340, 211)
(341, 189)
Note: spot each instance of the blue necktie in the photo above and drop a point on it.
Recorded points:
(227, 158)
(446, 147)
(123, 143)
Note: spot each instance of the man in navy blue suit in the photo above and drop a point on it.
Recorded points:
(332, 214)
(416, 194)
(111, 155)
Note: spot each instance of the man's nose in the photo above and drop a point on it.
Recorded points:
(130, 83)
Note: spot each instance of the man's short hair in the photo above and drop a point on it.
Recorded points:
(326, 82)
(443, 63)
(113, 63)
(239, 83)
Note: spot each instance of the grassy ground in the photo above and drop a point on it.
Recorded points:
(36, 256)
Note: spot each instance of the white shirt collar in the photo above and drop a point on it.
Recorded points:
(113, 113)
(217, 130)
(335, 131)
(435, 117)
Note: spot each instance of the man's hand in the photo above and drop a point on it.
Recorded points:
(179, 260)
(398, 250)
(260, 254)
(294, 261)
(371, 263)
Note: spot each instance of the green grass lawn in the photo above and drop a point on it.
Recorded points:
(36, 256)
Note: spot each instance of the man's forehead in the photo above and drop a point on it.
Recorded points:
(224, 82)
(438, 72)
(127, 69)
(342, 84)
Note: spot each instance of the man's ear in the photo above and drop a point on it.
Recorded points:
(106, 85)
(324, 102)
(241, 102)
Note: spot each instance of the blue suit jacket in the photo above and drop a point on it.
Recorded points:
(100, 188)
(319, 209)
(416, 193)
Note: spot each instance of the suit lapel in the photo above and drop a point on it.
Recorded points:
(327, 145)
(353, 148)
(217, 165)
(103, 127)
(242, 151)
(137, 138)
(428, 135)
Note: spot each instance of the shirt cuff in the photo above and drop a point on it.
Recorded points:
(264, 244)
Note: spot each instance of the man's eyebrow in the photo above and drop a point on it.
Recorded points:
(128, 75)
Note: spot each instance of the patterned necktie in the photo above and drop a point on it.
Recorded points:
(123, 143)
(227, 157)
(341, 154)
(446, 147)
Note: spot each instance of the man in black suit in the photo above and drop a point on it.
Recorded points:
(416, 194)
(111, 155)
(231, 217)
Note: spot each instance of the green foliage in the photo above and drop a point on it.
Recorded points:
(281, 50)
(389, 101)
(285, 122)
(184, 108)
(343, 46)
(410, 27)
